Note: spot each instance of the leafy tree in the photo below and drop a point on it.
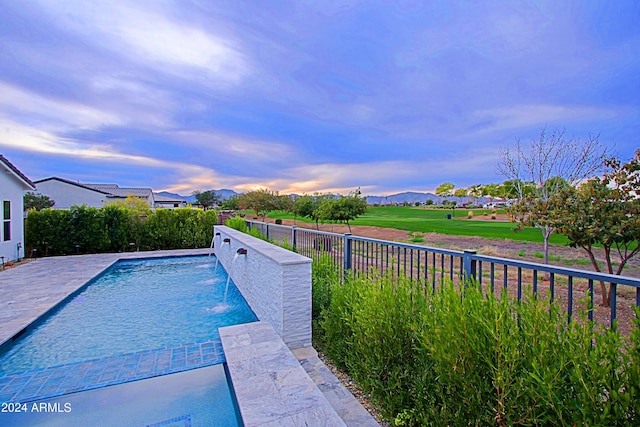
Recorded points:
(491, 191)
(135, 204)
(475, 192)
(285, 202)
(308, 207)
(231, 203)
(461, 192)
(343, 208)
(511, 189)
(37, 201)
(604, 211)
(207, 199)
(550, 163)
(260, 201)
(445, 189)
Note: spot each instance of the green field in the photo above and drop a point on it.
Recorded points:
(435, 221)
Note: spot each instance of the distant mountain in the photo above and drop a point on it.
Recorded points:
(412, 197)
(224, 195)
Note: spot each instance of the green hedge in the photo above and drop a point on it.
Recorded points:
(441, 358)
(84, 229)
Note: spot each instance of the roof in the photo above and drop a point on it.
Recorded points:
(166, 199)
(76, 183)
(16, 172)
(116, 191)
(111, 190)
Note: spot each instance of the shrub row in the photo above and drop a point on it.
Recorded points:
(453, 357)
(459, 357)
(84, 229)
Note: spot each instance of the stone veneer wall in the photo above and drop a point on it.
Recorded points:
(275, 282)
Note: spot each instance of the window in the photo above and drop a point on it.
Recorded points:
(6, 217)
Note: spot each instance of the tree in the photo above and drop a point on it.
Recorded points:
(604, 211)
(231, 203)
(445, 189)
(491, 190)
(307, 207)
(260, 201)
(135, 204)
(206, 198)
(475, 192)
(37, 201)
(461, 193)
(284, 202)
(344, 208)
(550, 163)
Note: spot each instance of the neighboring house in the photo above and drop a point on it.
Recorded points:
(13, 185)
(66, 193)
(169, 202)
(121, 193)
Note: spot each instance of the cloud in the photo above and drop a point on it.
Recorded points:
(52, 113)
(525, 116)
(148, 34)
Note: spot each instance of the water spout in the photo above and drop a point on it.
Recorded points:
(213, 242)
(241, 251)
(226, 240)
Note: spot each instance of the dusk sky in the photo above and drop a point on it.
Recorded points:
(305, 96)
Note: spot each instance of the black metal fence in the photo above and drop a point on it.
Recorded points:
(576, 290)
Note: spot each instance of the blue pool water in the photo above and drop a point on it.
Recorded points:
(137, 305)
(194, 398)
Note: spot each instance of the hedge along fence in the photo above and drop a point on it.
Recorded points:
(84, 229)
(455, 356)
(458, 357)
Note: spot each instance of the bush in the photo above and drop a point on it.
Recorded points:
(458, 357)
(84, 229)
(237, 224)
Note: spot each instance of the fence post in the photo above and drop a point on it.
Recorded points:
(469, 266)
(266, 226)
(293, 237)
(347, 252)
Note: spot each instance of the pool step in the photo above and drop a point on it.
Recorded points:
(59, 380)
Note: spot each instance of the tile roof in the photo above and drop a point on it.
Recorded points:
(166, 199)
(122, 191)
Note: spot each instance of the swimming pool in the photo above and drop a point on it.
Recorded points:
(136, 305)
(139, 320)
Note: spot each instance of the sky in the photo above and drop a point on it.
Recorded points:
(308, 96)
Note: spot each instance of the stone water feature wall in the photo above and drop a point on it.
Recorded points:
(275, 282)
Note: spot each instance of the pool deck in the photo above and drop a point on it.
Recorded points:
(301, 383)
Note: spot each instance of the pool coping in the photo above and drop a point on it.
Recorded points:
(29, 291)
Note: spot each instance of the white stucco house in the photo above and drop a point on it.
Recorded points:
(168, 202)
(66, 193)
(13, 185)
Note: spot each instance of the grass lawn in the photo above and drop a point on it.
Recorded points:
(416, 219)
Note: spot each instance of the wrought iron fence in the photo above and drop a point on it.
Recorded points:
(575, 289)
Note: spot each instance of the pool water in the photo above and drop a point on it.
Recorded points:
(199, 397)
(136, 305)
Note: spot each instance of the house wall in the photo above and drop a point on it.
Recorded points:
(12, 190)
(275, 282)
(66, 195)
